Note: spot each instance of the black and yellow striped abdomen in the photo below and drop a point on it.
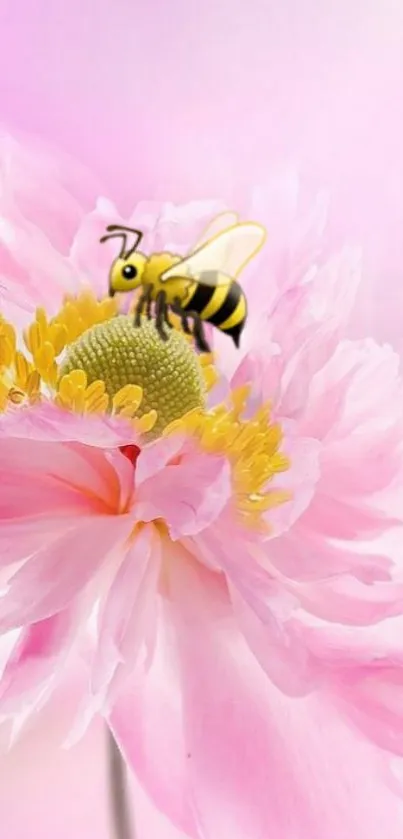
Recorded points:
(223, 305)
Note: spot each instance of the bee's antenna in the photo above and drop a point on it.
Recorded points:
(115, 236)
(115, 230)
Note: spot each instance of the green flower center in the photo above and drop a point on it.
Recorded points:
(119, 354)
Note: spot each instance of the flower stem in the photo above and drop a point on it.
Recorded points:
(120, 807)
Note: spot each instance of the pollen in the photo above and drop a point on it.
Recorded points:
(253, 447)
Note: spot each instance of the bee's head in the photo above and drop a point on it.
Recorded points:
(126, 274)
(127, 269)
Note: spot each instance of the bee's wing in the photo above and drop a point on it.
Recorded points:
(226, 253)
(219, 223)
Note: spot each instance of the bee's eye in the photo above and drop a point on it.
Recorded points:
(129, 272)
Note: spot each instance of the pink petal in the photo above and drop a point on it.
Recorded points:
(20, 539)
(188, 495)
(149, 819)
(261, 764)
(49, 423)
(300, 480)
(276, 642)
(307, 359)
(147, 722)
(91, 258)
(358, 387)
(304, 554)
(40, 478)
(50, 274)
(56, 574)
(365, 668)
(355, 406)
(371, 697)
(375, 462)
(348, 519)
(156, 456)
(173, 227)
(346, 600)
(262, 608)
(333, 290)
(341, 598)
(49, 189)
(36, 662)
(127, 618)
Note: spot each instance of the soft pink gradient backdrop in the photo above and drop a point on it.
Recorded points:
(179, 98)
(182, 99)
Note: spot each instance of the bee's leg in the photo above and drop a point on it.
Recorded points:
(149, 303)
(177, 309)
(198, 332)
(160, 314)
(144, 300)
(166, 316)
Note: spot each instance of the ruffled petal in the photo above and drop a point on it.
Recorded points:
(55, 575)
(147, 722)
(188, 495)
(261, 764)
(50, 423)
(299, 480)
(303, 554)
(275, 641)
(371, 697)
(358, 387)
(127, 618)
(41, 478)
(48, 188)
(263, 608)
(156, 456)
(347, 600)
(43, 274)
(318, 310)
(91, 258)
(296, 231)
(36, 661)
(355, 405)
(23, 538)
(173, 227)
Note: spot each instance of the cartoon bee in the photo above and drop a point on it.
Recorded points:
(202, 286)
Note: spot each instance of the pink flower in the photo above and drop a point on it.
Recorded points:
(233, 569)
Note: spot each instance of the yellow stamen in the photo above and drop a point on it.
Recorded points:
(7, 344)
(17, 382)
(146, 423)
(22, 369)
(252, 446)
(129, 396)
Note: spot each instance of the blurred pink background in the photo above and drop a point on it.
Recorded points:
(187, 99)
(182, 99)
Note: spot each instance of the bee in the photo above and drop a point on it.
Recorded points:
(201, 287)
